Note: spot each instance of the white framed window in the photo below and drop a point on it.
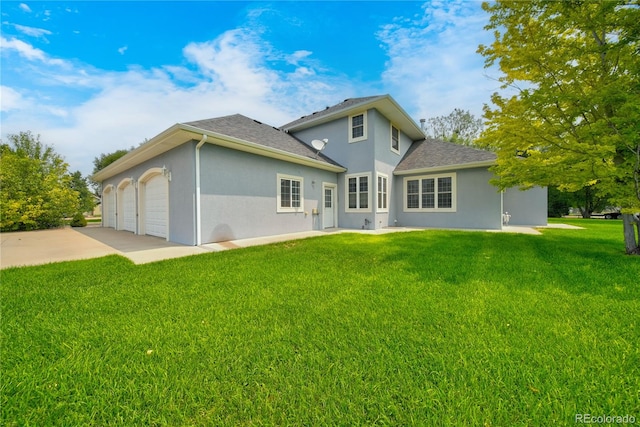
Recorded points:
(395, 139)
(430, 193)
(382, 191)
(358, 192)
(290, 197)
(358, 127)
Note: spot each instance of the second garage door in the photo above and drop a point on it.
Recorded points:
(156, 206)
(128, 212)
(109, 207)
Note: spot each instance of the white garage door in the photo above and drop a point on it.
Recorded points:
(156, 206)
(109, 208)
(129, 208)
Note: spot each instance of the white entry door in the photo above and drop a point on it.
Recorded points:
(156, 206)
(329, 206)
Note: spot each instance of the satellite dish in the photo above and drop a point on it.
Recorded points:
(319, 144)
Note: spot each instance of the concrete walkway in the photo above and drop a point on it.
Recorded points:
(68, 244)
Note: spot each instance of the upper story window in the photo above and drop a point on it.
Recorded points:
(358, 127)
(395, 139)
(431, 193)
(358, 189)
(290, 193)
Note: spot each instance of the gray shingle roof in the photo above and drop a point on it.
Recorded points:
(247, 129)
(431, 153)
(346, 104)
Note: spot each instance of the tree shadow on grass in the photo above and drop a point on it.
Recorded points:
(577, 266)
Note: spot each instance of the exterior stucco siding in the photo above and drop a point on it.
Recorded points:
(180, 163)
(385, 162)
(526, 207)
(238, 195)
(370, 156)
(477, 204)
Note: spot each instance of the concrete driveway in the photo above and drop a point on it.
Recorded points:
(67, 244)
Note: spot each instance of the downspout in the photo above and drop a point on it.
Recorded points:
(198, 225)
(502, 209)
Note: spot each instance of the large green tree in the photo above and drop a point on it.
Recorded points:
(572, 118)
(86, 199)
(459, 126)
(102, 161)
(586, 200)
(36, 186)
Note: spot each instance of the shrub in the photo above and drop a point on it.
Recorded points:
(78, 220)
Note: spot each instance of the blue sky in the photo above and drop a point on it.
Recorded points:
(94, 77)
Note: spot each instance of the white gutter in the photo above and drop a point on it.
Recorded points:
(198, 224)
(262, 150)
(480, 164)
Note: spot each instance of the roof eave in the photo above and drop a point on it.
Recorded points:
(159, 144)
(251, 147)
(445, 168)
(179, 134)
(402, 119)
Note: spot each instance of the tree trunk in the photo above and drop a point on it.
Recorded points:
(588, 205)
(631, 228)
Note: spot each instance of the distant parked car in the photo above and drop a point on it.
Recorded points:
(606, 215)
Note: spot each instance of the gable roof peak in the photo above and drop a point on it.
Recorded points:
(385, 104)
(349, 102)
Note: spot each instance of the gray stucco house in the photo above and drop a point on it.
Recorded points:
(233, 177)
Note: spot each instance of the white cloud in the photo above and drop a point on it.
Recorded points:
(23, 49)
(234, 61)
(122, 50)
(25, 7)
(234, 73)
(28, 52)
(83, 111)
(297, 56)
(32, 31)
(304, 71)
(10, 99)
(433, 66)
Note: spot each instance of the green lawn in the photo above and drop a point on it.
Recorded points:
(421, 328)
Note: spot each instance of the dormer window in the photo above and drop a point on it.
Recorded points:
(358, 127)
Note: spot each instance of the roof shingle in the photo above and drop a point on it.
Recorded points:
(247, 129)
(431, 153)
(346, 104)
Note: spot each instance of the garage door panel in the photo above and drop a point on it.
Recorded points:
(129, 208)
(109, 208)
(156, 206)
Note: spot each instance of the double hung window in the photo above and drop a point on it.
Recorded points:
(382, 193)
(430, 193)
(358, 127)
(290, 193)
(395, 139)
(358, 193)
